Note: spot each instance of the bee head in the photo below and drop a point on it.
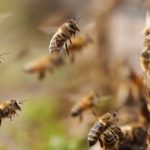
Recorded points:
(72, 23)
(15, 105)
(146, 53)
(114, 115)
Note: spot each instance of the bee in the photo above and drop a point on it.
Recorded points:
(87, 102)
(146, 33)
(111, 138)
(43, 64)
(145, 60)
(78, 43)
(1, 58)
(134, 135)
(104, 122)
(8, 108)
(63, 34)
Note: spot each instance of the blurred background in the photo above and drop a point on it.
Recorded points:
(26, 27)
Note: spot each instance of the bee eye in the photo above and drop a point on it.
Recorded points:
(72, 26)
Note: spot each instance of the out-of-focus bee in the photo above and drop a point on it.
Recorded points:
(111, 138)
(105, 122)
(8, 108)
(78, 43)
(1, 58)
(43, 64)
(87, 102)
(145, 60)
(64, 33)
(134, 136)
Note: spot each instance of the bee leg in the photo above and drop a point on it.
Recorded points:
(41, 75)
(101, 143)
(93, 111)
(80, 118)
(72, 58)
(70, 41)
(111, 130)
(67, 49)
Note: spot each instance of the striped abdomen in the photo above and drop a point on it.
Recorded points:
(76, 110)
(95, 133)
(57, 42)
(80, 107)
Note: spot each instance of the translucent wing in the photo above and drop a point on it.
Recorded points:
(52, 29)
(1, 58)
(48, 30)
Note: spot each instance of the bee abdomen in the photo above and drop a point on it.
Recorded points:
(94, 134)
(76, 111)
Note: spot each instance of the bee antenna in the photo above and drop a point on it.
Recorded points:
(76, 20)
(119, 108)
(21, 102)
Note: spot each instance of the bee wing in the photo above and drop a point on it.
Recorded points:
(48, 30)
(52, 29)
(3, 54)
(87, 27)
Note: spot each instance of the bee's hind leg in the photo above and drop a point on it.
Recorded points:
(41, 75)
(80, 118)
(94, 111)
(101, 143)
(67, 49)
(70, 41)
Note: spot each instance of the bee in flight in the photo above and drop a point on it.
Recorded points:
(104, 122)
(8, 108)
(87, 102)
(64, 33)
(1, 58)
(43, 64)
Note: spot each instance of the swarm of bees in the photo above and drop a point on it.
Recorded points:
(8, 108)
(105, 131)
(87, 102)
(43, 64)
(65, 32)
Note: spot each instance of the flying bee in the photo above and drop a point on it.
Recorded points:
(43, 64)
(1, 58)
(8, 108)
(63, 34)
(78, 43)
(104, 122)
(111, 138)
(87, 102)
